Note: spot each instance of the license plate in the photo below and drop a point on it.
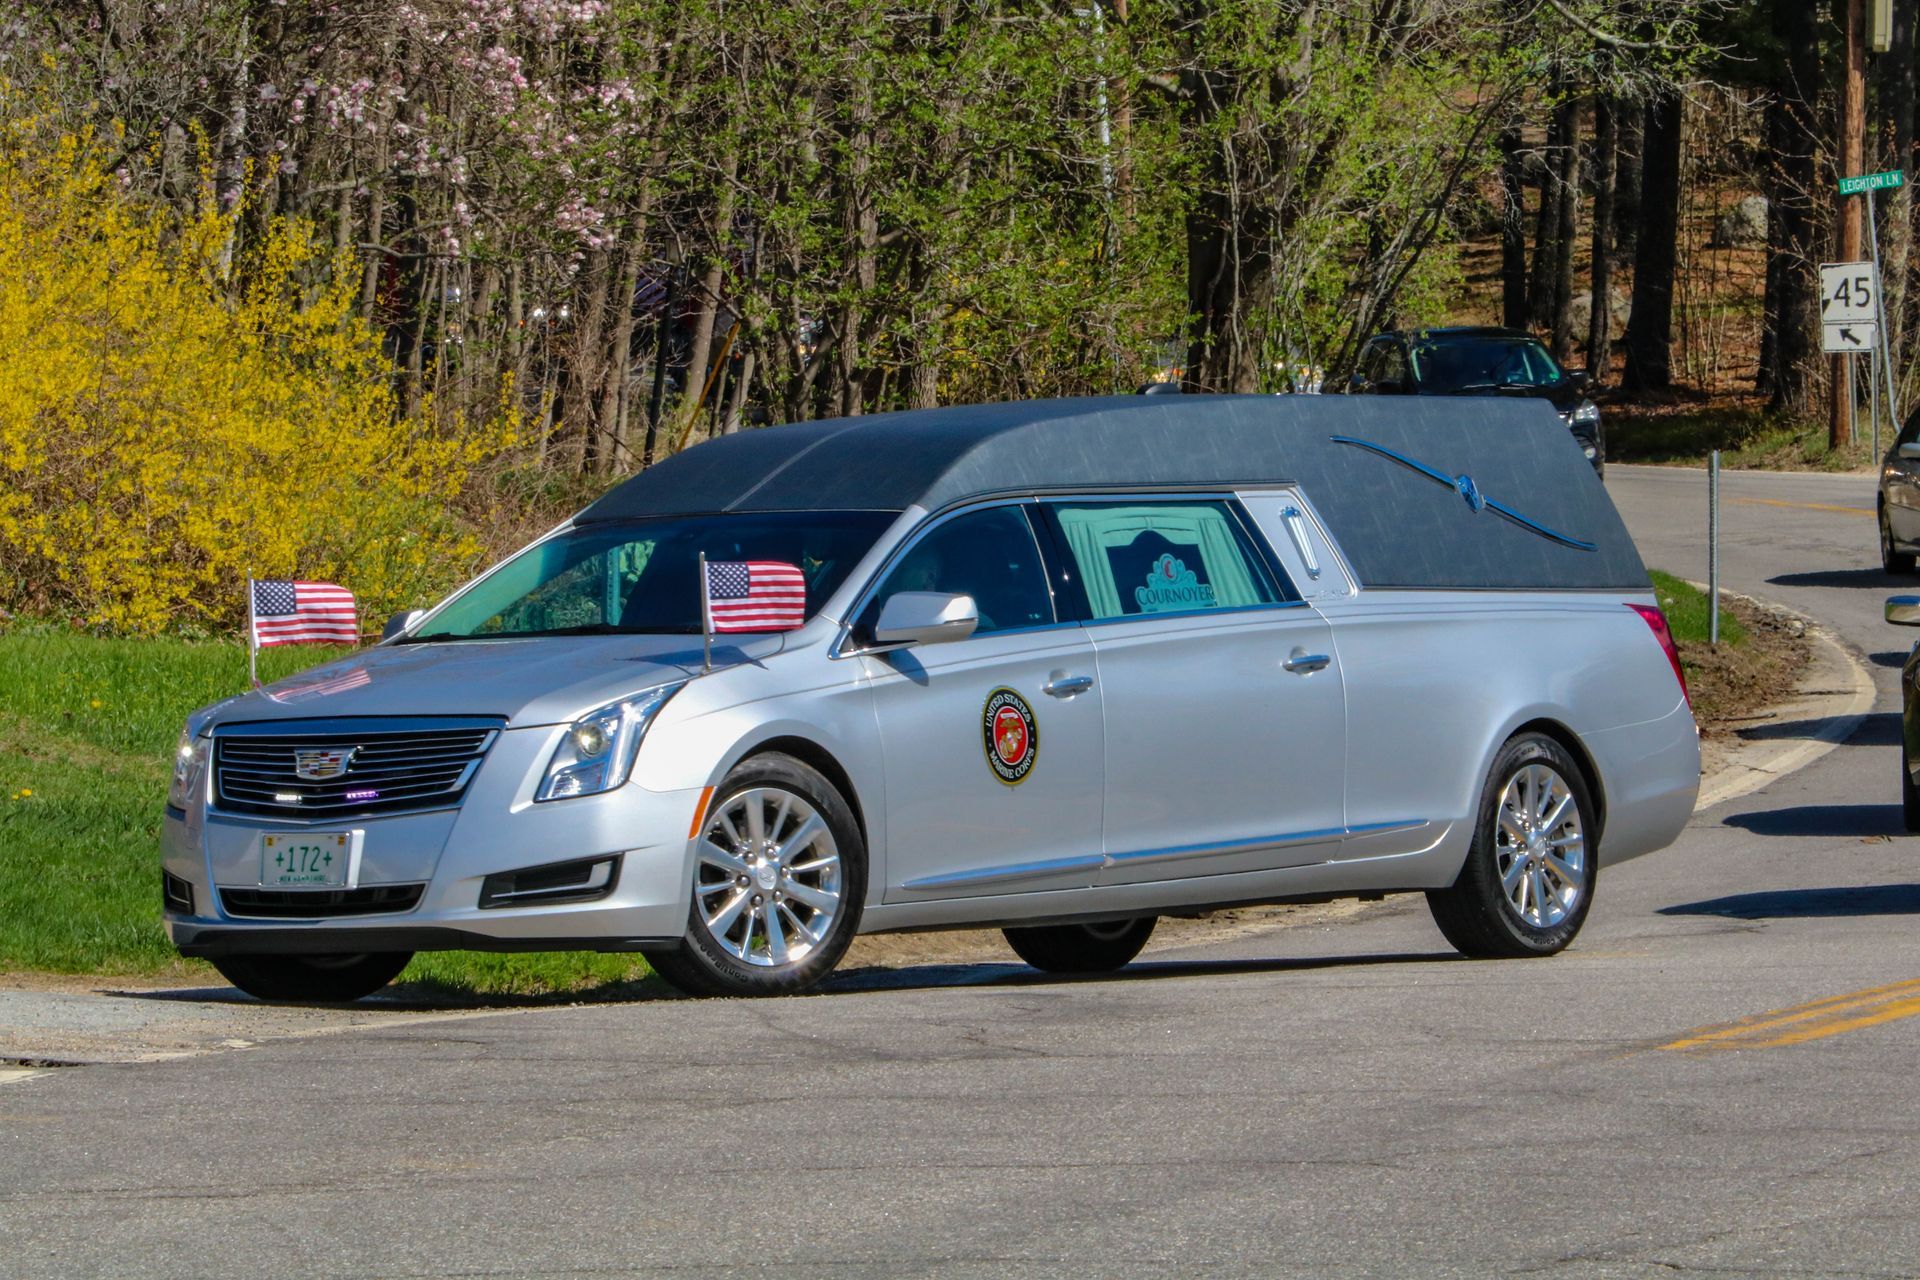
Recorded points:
(315, 860)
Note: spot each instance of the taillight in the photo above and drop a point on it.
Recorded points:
(1657, 620)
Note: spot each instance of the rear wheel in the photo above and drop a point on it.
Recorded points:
(312, 978)
(1891, 560)
(1529, 875)
(779, 877)
(1081, 948)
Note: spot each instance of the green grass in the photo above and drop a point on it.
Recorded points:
(86, 729)
(1748, 439)
(1686, 610)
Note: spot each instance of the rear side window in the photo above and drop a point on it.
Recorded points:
(1140, 559)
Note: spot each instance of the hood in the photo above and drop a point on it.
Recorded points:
(536, 681)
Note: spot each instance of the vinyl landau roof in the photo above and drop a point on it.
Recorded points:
(1419, 491)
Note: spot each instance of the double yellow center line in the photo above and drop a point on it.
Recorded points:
(1813, 1021)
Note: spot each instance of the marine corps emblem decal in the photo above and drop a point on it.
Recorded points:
(1012, 736)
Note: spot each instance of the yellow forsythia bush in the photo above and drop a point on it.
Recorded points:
(160, 435)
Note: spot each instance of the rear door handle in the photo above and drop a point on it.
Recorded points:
(1305, 664)
(1066, 686)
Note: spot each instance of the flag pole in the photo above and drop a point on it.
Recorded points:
(253, 670)
(706, 612)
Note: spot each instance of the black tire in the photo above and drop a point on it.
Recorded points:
(316, 979)
(1909, 794)
(1890, 560)
(1081, 948)
(703, 965)
(1475, 912)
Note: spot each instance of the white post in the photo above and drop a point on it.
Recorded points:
(706, 612)
(253, 668)
(1713, 547)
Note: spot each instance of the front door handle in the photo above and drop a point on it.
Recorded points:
(1066, 686)
(1305, 664)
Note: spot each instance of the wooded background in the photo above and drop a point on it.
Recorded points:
(641, 222)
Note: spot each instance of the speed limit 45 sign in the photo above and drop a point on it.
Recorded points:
(1849, 296)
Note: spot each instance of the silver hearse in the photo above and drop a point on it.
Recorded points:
(1064, 668)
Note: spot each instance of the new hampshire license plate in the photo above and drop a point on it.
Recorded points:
(309, 860)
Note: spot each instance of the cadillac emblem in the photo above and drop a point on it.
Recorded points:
(322, 765)
(1012, 736)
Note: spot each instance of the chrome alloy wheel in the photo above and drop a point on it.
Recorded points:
(1540, 849)
(769, 880)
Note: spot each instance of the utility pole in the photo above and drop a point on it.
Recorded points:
(1850, 160)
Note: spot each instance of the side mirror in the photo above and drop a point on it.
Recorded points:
(400, 622)
(1909, 450)
(1903, 611)
(925, 617)
(1579, 377)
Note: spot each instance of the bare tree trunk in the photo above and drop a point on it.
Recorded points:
(707, 305)
(1650, 330)
(1567, 179)
(1513, 231)
(1793, 215)
(1600, 316)
(1626, 182)
(586, 363)
(1546, 222)
(862, 227)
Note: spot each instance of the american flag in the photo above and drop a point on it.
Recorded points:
(302, 613)
(755, 595)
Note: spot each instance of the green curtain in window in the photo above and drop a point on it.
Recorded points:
(1091, 530)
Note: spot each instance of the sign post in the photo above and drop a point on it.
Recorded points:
(1866, 184)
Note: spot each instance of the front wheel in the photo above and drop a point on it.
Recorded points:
(1081, 948)
(320, 979)
(779, 877)
(1529, 875)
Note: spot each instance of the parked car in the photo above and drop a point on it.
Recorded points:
(1898, 507)
(1064, 668)
(1904, 611)
(1481, 361)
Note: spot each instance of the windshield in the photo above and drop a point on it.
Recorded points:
(1483, 364)
(642, 576)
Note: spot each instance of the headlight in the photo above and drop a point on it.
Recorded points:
(189, 757)
(1585, 414)
(597, 752)
(1590, 451)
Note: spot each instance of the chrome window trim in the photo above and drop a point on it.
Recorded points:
(842, 646)
(1171, 853)
(1337, 572)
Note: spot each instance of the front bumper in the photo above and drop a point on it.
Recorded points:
(498, 828)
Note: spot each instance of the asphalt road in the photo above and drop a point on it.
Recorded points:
(1316, 1101)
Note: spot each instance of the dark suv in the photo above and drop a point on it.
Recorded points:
(1480, 361)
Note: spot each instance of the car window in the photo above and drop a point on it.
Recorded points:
(990, 555)
(1370, 362)
(642, 576)
(1393, 364)
(1137, 559)
(1910, 432)
(1474, 363)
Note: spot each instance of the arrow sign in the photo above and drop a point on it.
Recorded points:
(1872, 182)
(1847, 335)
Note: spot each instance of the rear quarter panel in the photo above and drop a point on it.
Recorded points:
(1437, 681)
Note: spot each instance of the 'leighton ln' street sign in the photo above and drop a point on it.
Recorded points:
(1872, 182)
